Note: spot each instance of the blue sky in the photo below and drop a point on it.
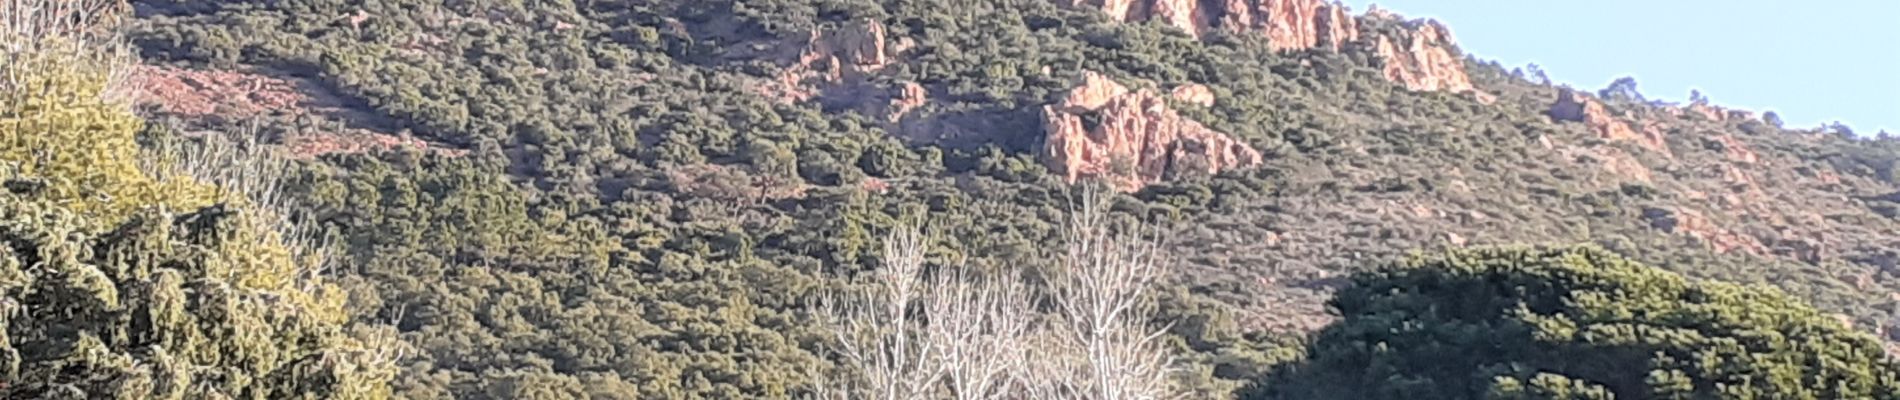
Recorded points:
(1811, 61)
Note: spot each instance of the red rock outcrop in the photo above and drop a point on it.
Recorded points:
(830, 58)
(858, 47)
(1193, 94)
(836, 66)
(1191, 16)
(1299, 24)
(1419, 57)
(908, 98)
(1092, 93)
(1575, 106)
(1135, 139)
(1289, 24)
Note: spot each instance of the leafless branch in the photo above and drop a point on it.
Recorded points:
(954, 334)
(1101, 344)
(875, 335)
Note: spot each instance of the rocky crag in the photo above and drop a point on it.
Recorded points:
(1134, 138)
(1420, 56)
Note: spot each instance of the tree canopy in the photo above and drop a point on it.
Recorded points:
(1577, 323)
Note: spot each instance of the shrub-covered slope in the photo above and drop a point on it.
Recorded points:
(640, 201)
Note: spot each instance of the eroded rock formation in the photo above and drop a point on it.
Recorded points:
(1298, 24)
(833, 57)
(1419, 57)
(1574, 106)
(855, 49)
(1132, 139)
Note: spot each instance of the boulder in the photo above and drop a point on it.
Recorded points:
(1421, 59)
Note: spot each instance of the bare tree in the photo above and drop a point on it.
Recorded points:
(875, 335)
(953, 334)
(979, 328)
(63, 38)
(1101, 344)
(914, 334)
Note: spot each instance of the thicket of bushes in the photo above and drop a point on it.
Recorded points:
(1577, 323)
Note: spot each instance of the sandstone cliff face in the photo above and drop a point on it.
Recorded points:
(1134, 139)
(1290, 24)
(1418, 58)
(1301, 24)
(1421, 60)
(1575, 106)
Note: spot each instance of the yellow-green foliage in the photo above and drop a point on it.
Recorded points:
(64, 118)
(141, 275)
(84, 148)
(66, 125)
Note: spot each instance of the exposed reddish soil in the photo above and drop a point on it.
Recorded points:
(208, 95)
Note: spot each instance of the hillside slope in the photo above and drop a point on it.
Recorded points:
(636, 197)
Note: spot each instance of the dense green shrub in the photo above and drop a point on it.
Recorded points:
(1577, 323)
(151, 310)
